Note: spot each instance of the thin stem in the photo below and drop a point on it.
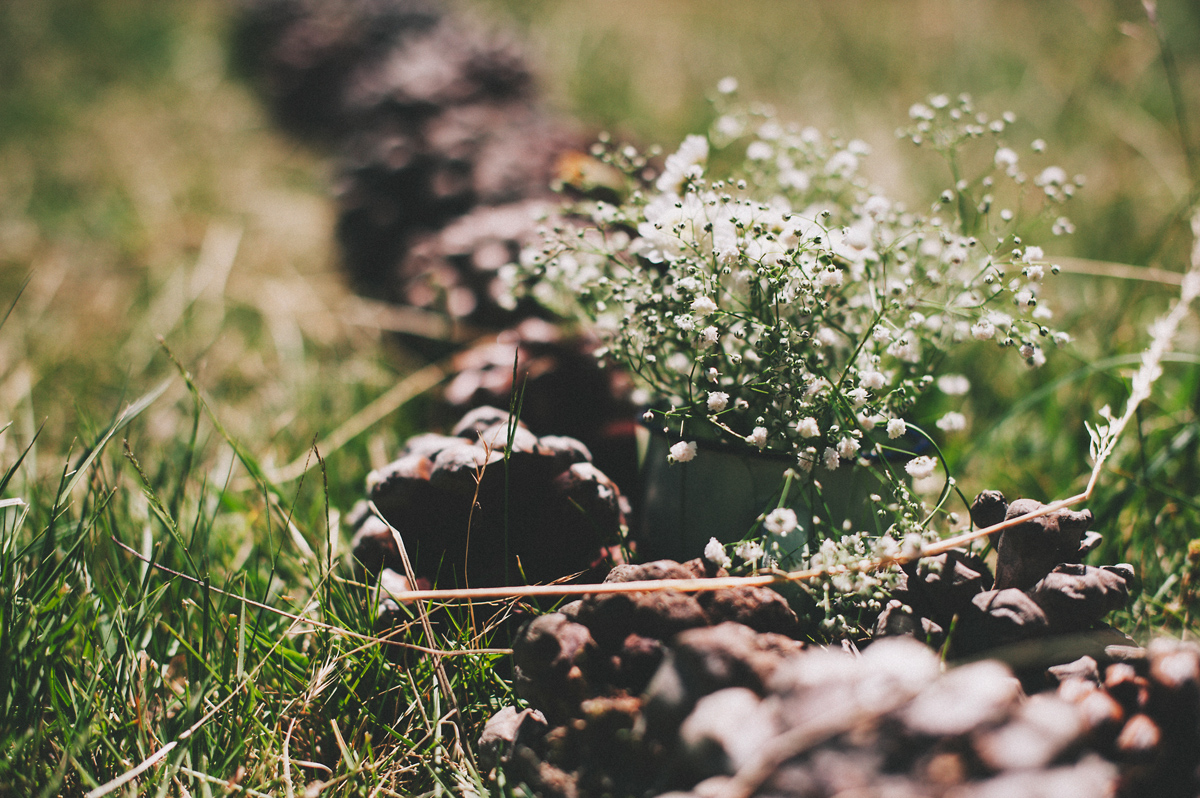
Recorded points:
(1173, 84)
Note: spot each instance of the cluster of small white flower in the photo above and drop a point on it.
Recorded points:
(846, 596)
(789, 305)
(853, 593)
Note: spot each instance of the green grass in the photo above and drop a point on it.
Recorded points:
(143, 194)
(125, 637)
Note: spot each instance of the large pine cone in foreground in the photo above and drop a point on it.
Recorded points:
(474, 509)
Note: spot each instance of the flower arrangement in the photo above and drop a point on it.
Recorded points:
(764, 295)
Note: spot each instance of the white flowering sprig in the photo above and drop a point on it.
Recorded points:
(986, 202)
(846, 603)
(783, 304)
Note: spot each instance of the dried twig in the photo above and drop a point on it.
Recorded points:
(1120, 271)
(411, 386)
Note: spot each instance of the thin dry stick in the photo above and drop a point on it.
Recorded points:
(378, 315)
(130, 775)
(1121, 271)
(287, 761)
(228, 785)
(1162, 334)
(411, 386)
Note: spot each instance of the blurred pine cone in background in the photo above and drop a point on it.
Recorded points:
(444, 154)
(444, 159)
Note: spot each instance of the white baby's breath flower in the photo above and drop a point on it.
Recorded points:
(717, 401)
(807, 427)
(759, 151)
(683, 451)
(692, 152)
(780, 521)
(842, 164)
(729, 126)
(887, 547)
(1062, 226)
(920, 111)
(727, 85)
(679, 362)
(1033, 355)
(1051, 176)
(794, 292)
(831, 458)
(876, 206)
(830, 278)
(858, 235)
(982, 330)
(806, 460)
(953, 384)
(874, 380)
(714, 552)
(952, 422)
(749, 550)
(905, 348)
(920, 467)
(796, 179)
(858, 397)
(826, 337)
(770, 130)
